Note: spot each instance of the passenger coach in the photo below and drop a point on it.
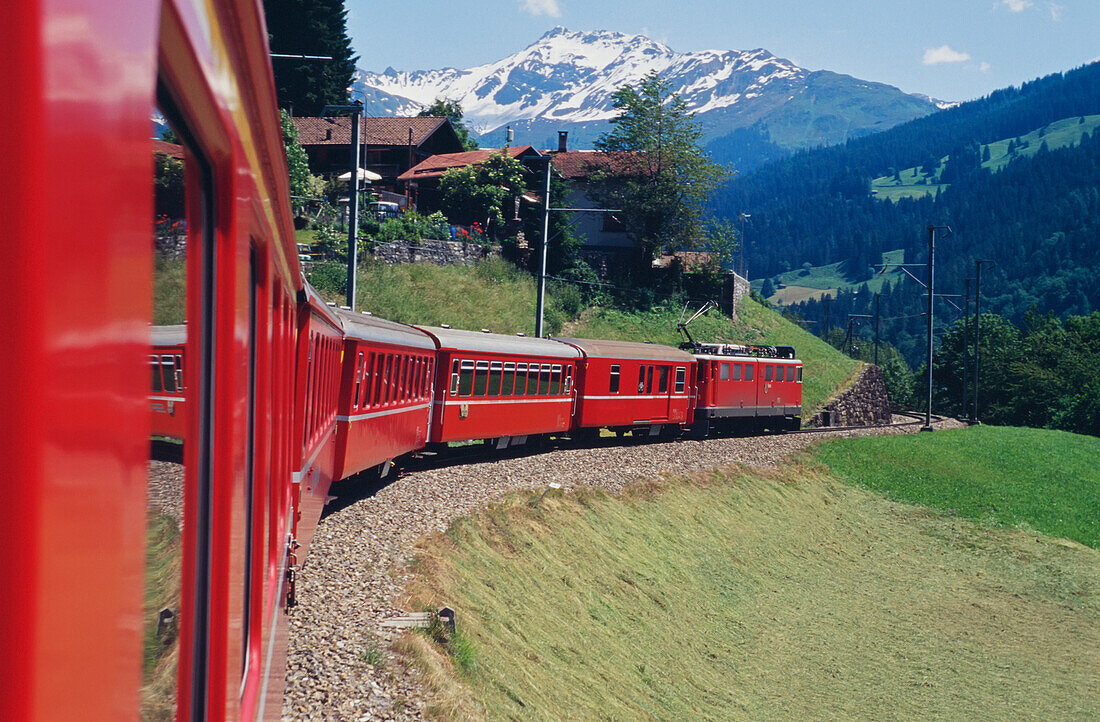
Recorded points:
(386, 392)
(624, 386)
(491, 386)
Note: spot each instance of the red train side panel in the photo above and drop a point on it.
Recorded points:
(748, 384)
(622, 384)
(385, 393)
(491, 386)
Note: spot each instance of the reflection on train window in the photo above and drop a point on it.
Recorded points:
(481, 377)
(681, 379)
(544, 380)
(614, 388)
(568, 379)
(466, 379)
(662, 381)
(509, 379)
(495, 371)
(641, 379)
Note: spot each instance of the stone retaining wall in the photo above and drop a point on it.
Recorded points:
(440, 253)
(865, 403)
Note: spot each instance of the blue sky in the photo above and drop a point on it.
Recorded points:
(949, 49)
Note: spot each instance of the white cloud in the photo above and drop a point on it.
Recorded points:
(944, 54)
(1016, 6)
(541, 7)
(984, 67)
(1056, 11)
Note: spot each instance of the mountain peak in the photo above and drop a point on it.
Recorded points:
(569, 78)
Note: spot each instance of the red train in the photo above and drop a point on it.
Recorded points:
(143, 587)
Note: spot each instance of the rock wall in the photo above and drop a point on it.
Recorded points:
(737, 288)
(440, 253)
(864, 403)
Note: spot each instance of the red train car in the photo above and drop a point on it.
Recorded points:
(386, 392)
(168, 398)
(491, 386)
(317, 389)
(90, 509)
(623, 385)
(747, 387)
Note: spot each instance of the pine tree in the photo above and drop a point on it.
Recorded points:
(310, 27)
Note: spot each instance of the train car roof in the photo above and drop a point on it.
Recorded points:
(359, 326)
(598, 348)
(170, 335)
(457, 340)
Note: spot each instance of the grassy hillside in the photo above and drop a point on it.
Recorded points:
(496, 296)
(756, 595)
(817, 281)
(1039, 479)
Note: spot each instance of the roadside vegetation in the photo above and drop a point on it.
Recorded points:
(752, 594)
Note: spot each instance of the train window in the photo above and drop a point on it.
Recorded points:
(748, 372)
(481, 378)
(182, 238)
(495, 372)
(368, 366)
(724, 372)
(544, 380)
(533, 380)
(358, 380)
(641, 379)
(379, 378)
(790, 373)
(614, 387)
(681, 378)
(466, 379)
(767, 372)
(388, 374)
(454, 377)
(662, 379)
(736, 372)
(649, 381)
(799, 376)
(509, 380)
(568, 379)
(555, 380)
(409, 376)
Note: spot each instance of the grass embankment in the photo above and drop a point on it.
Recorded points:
(1035, 478)
(761, 595)
(493, 294)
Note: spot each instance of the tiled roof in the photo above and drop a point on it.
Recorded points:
(436, 165)
(373, 131)
(169, 149)
(579, 164)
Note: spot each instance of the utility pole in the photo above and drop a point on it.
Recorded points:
(966, 347)
(977, 328)
(877, 295)
(743, 217)
(355, 110)
(541, 300)
(931, 295)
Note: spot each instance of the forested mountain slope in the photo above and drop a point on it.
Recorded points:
(1038, 216)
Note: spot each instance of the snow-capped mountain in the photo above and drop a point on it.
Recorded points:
(566, 80)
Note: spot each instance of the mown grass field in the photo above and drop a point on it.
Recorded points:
(1044, 480)
(750, 594)
(802, 283)
(1059, 134)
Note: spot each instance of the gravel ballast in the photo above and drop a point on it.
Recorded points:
(357, 567)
